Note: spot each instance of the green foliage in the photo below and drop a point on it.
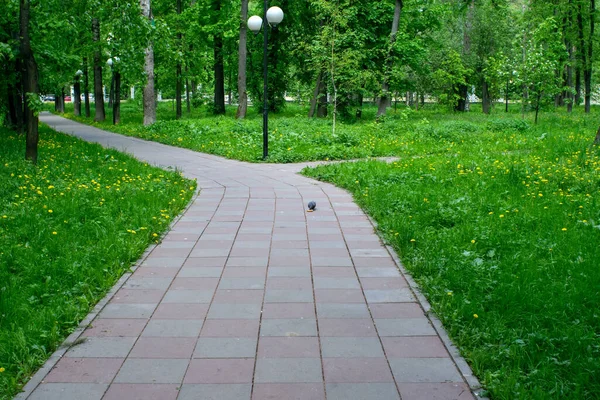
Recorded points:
(447, 79)
(69, 228)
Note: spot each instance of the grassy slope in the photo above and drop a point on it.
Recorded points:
(68, 229)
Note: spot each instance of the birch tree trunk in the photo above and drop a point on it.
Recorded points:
(384, 100)
(219, 68)
(149, 92)
(243, 54)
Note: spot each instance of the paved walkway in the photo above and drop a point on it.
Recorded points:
(251, 297)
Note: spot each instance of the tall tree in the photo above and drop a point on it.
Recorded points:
(384, 99)
(30, 84)
(98, 92)
(149, 93)
(179, 82)
(219, 72)
(242, 56)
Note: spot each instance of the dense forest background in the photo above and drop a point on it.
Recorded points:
(331, 54)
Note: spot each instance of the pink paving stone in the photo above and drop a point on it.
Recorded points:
(115, 327)
(230, 328)
(383, 283)
(213, 244)
(356, 370)
(288, 310)
(288, 391)
(396, 310)
(328, 252)
(238, 296)
(334, 272)
(163, 252)
(153, 272)
(435, 391)
(282, 261)
(339, 327)
(181, 311)
(194, 284)
(244, 272)
(376, 262)
(163, 347)
(231, 370)
(196, 262)
(339, 296)
(288, 347)
(147, 296)
(89, 370)
(289, 283)
(414, 347)
(141, 391)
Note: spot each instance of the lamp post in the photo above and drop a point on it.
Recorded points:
(115, 89)
(274, 16)
(77, 94)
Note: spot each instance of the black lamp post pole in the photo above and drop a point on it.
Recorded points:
(77, 97)
(266, 86)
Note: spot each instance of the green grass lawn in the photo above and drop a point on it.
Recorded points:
(498, 220)
(69, 228)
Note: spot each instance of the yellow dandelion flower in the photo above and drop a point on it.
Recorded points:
(473, 241)
(475, 316)
(54, 233)
(412, 240)
(564, 229)
(50, 211)
(2, 369)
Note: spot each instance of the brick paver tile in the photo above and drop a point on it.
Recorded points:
(357, 370)
(347, 347)
(336, 283)
(163, 347)
(155, 272)
(172, 328)
(84, 370)
(152, 370)
(200, 262)
(141, 391)
(115, 327)
(288, 310)
(288, 391)
(362, 327)
(372, 272)
(288, 370)
(156, 283)
(69, 391)
(200, 272)
(289, 283)
(190, 283)
(339, 296)
(435, 391)
(289, 327)
(244, 272)
(240, 347)
(230, 328)
(404, 327)
(238, 297)
(289, 296)
(234, 311)
(188, 296)
(247, 261)
(147, 296)
(106, 347)
(181, 311)
(221, 391)
(164, 262)
(288, 347)
(383, 283)
(230, 370)
(334, 272)
(396, 310)
(424, 370)
(127, 311)
(242, 283)
(361, 391)
(414, 346)
(334, 310)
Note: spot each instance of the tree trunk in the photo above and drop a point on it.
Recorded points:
(597, 140)
(463, 90)
(149, 92)
(322, 100)
(98, 92)
(179, 79)
(187, 94)
(111, 92)
(30, 84)
(537, 107)
(587, 72)
(77, 96)
(219, 73)
(60, 101)
(313, 100)
(578, 85)
(360, 101)
(569, 94)
(242, 56)
(86, 87)
(486, 103)
(384, 100)
(117, 99)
